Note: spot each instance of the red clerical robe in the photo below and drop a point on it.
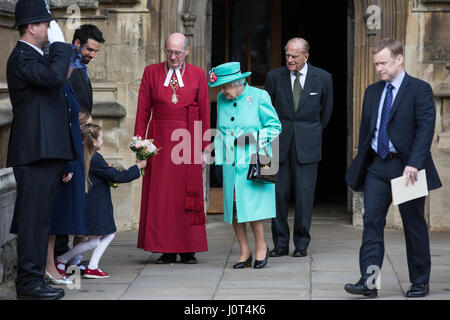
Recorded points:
(172, 216)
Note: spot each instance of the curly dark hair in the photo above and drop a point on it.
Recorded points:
(87, 31)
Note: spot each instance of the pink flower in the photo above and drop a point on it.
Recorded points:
(212, 77)
(151, 148)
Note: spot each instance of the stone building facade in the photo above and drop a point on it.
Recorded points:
(135, 31)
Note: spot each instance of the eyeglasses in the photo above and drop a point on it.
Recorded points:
(177, 54)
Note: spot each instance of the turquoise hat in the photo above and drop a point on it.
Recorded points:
(225, 73)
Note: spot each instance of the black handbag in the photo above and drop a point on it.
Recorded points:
(260, 169)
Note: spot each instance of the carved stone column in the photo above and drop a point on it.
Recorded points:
(189, 23)
(374, 20)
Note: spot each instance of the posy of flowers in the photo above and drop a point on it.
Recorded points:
(144, 149)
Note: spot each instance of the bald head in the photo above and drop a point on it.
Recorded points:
(176, 49)
(177, 39)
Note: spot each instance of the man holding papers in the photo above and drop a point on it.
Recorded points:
(396, 132)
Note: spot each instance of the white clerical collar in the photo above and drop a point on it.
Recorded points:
(34, 47)
(178, 75)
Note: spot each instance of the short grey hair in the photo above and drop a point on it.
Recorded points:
(304, 44)
(240, 82)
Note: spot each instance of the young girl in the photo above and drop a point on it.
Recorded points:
(100, 223)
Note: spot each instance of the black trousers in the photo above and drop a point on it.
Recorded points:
(36, 186)
(377, 199)
(302, 177)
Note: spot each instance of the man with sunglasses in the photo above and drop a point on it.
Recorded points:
(173, 101)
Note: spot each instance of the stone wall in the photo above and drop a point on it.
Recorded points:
(7, 240)
(134, 32)
(427, 54)
(428, 58)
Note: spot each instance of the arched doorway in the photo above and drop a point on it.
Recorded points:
(254, 32)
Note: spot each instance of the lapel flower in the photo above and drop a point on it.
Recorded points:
(249, 100)
(212, 76)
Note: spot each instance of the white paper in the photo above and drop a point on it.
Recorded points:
(402, 193)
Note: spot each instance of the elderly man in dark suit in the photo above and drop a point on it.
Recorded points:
(397, 127)
(39, 141)
(303, 98)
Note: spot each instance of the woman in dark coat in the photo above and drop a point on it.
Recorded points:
(68, 216)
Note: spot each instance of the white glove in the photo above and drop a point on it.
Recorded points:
(55, 33)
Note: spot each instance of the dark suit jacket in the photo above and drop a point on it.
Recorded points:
(40, 127)
(410, 129)
(82, 88)
(305, 125)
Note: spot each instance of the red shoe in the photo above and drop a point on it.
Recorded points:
(61, 267)
(95, 274)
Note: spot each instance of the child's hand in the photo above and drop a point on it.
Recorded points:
(67, 177)
(141, 163)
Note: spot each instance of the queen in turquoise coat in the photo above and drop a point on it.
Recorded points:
(244, 111)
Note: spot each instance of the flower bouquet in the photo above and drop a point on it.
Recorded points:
(144, 149)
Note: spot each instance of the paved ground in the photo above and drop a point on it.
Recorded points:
(332, 262)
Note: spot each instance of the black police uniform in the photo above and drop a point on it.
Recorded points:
(39, 145)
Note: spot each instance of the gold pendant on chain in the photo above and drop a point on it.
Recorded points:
(174, 98)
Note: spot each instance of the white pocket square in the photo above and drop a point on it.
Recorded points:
(313, 93)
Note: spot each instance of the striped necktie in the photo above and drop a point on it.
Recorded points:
(383, 140)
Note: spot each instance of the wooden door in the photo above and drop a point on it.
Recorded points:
(249, 32)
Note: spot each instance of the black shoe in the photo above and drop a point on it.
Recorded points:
(42, 292)
(361, 288)
(244, 264)
(300, 253)
(193, 260)
(259, 264)
(418, 290)
(276, 252)
(188, 258)
(167, 258)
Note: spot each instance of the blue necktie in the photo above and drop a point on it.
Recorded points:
(383, 140)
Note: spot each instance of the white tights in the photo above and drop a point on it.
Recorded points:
(99, 244)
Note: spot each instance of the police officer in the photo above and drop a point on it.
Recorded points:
(39, 142)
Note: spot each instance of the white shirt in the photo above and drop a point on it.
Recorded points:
(396, 83)
(304, 71)
(34, 47)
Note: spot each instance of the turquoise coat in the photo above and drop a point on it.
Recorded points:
(250, 113)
